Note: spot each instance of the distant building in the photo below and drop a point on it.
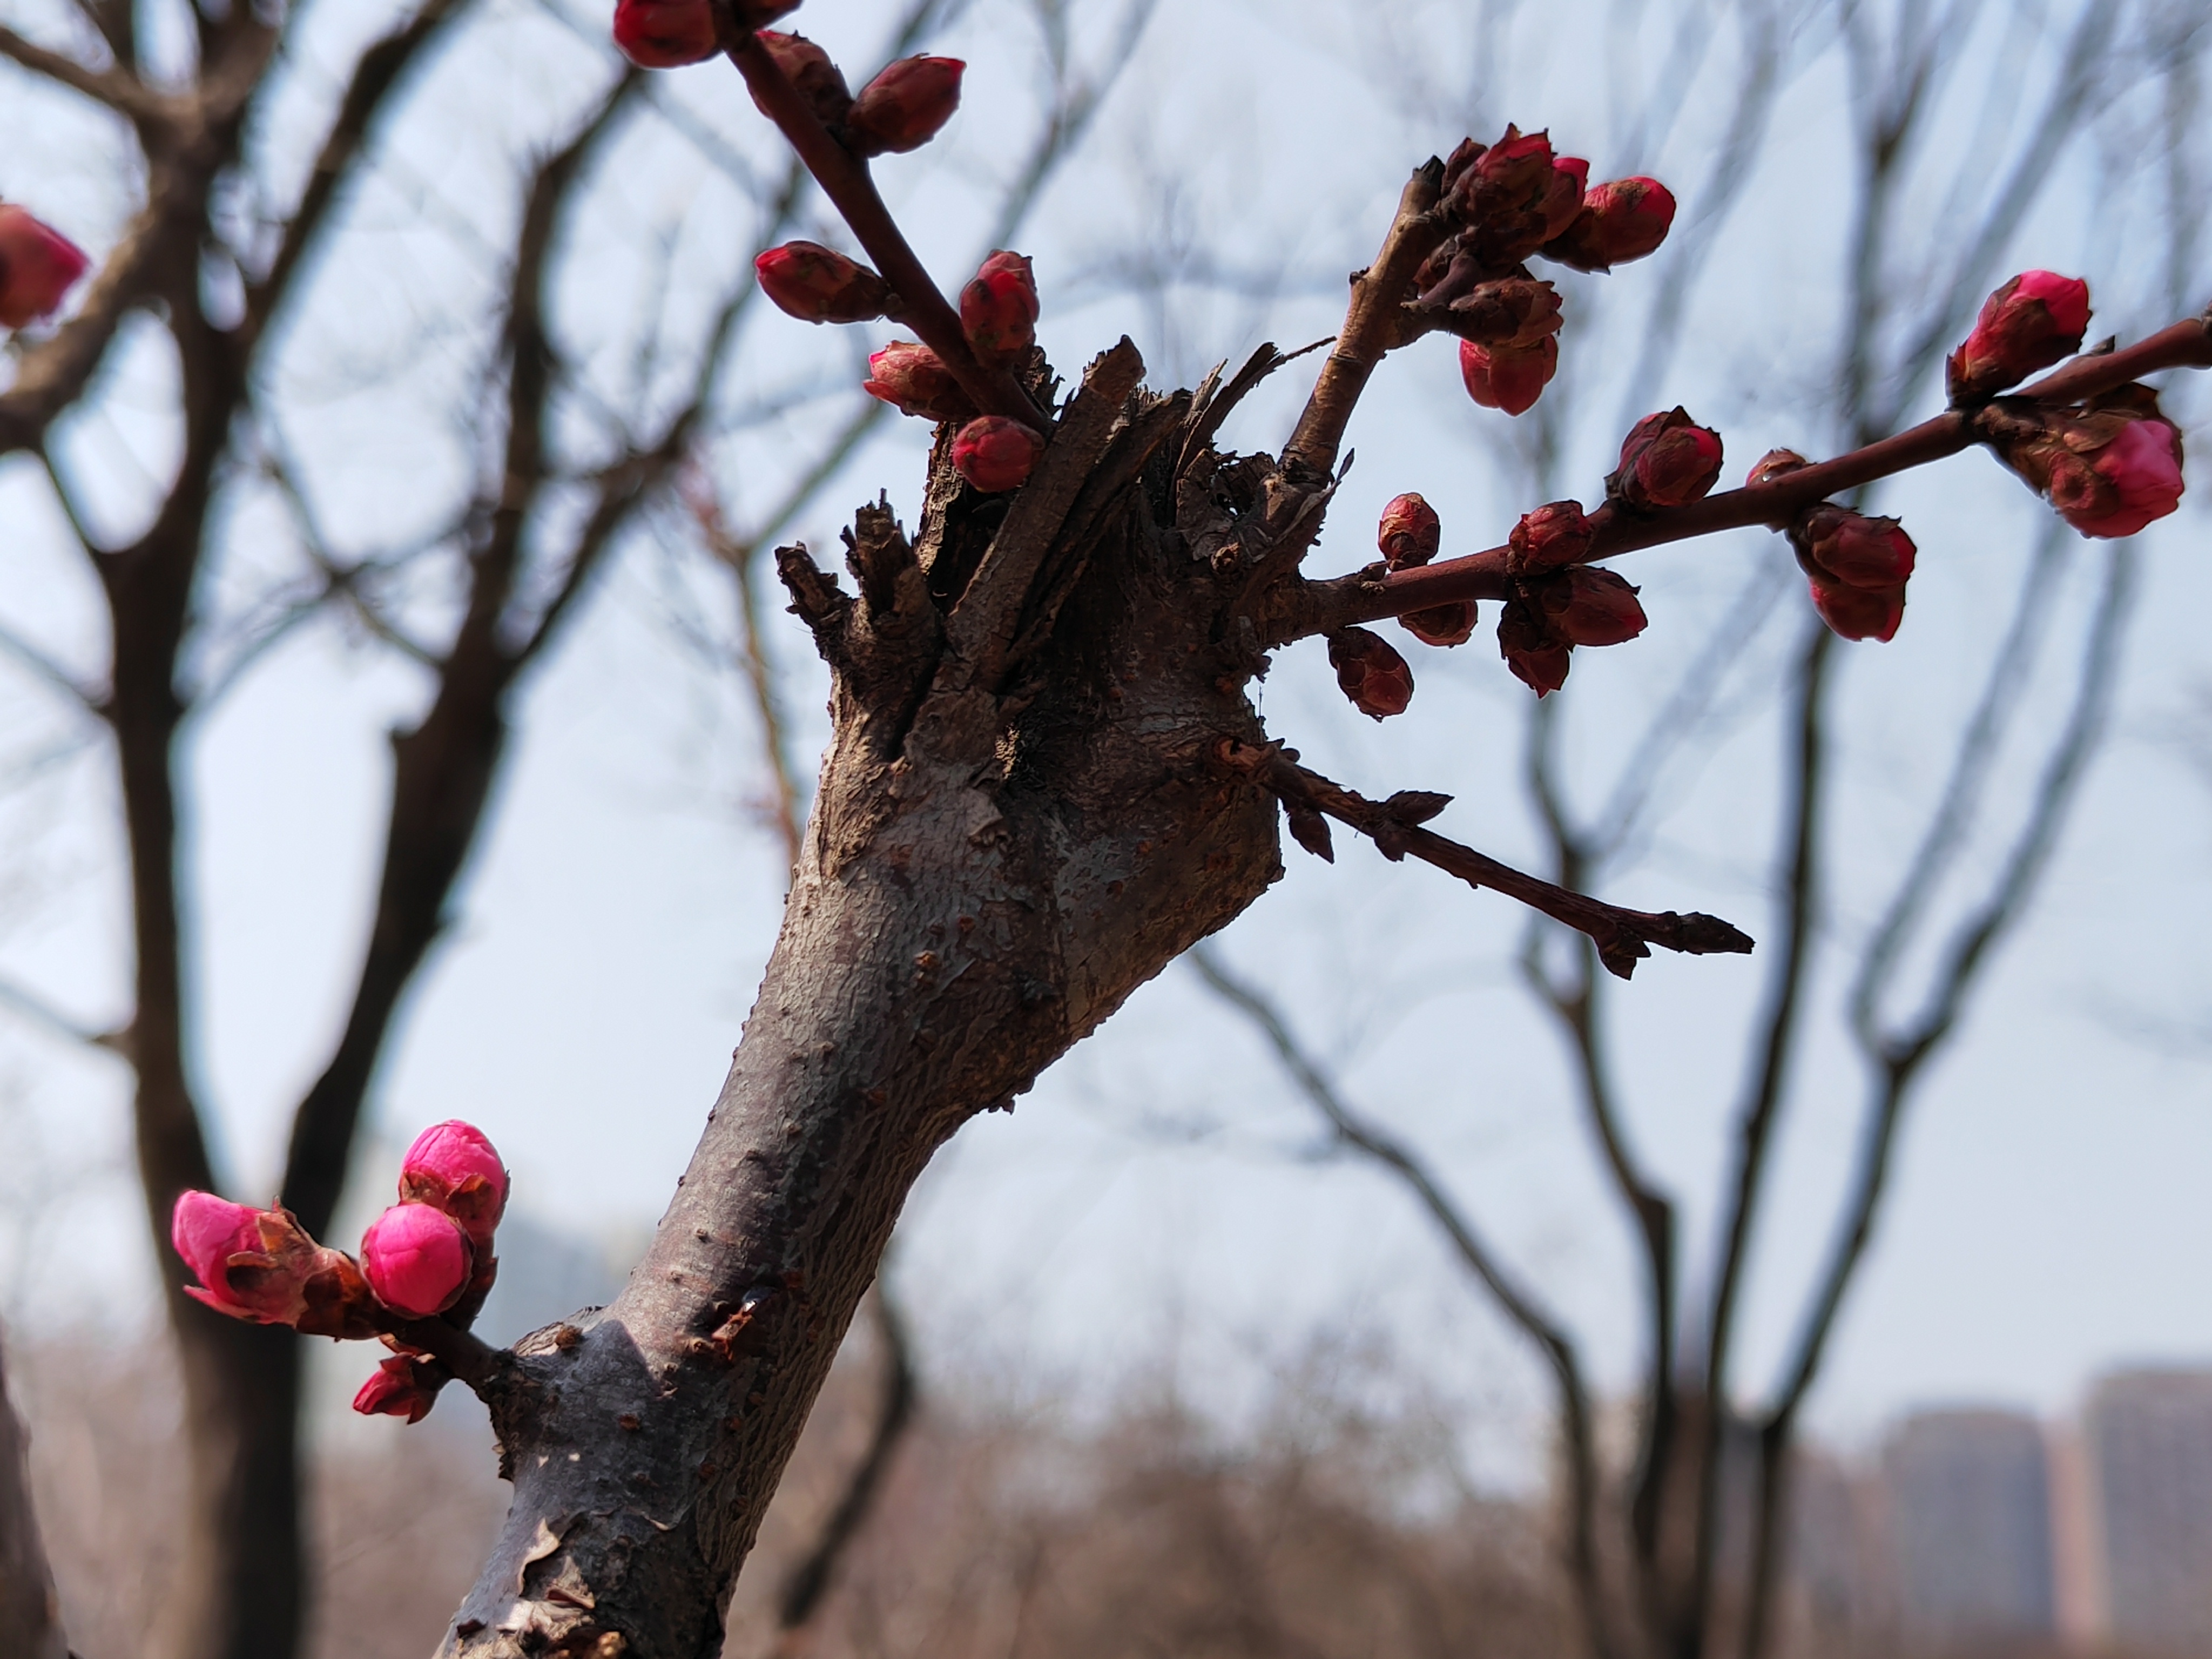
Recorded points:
(1967, 1495)
(2148, 1439)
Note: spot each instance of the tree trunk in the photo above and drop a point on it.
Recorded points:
(1019, 822)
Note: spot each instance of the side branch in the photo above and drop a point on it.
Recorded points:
(1623, 936)
(119, 90)
(1369, 595)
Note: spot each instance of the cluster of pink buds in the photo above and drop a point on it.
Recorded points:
(38, 265)
(1371, 673)
(1857, 566)
(1408, 535)
(1558, 602)
(1513, 201)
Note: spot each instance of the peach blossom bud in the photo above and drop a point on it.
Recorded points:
(453, 1167)
(995, 453)
(666, 33)
(1409, 532)
(1775, 464)
(38, 265)
(1512, 176)
(260, 1266)
(1441, 624)
(999, 308)
(400, 1387)
(904, 108)
(818, 284)
(1370, 671)
(2031, 322)
(1667, 461)
(418, 1259)
(1859, 613)
(2132, 480)
(1840, 545)
(914, 381)
(1563, 195)
(1507, 378)
(808, 68)
(1621, 220)
(1557, 533)
(1538, 661)
(1600, 608)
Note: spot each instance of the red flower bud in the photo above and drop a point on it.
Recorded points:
(1563, 195)
(1555, 534)
(808, 68)
(260, 1266)
(1836, 544)
(904, 108)
(38, 265)
(1409, 532)
(1512, 176)
(417, 1258)
(2110, 467)
(400, 1387)
(1508, 378)
(914, 381)
(818, 284)
(1860, 613)
(1370, 671)
(994, 454)
(666, 33)
(999, 308)
(1775, 464)
(453, 1167)
(2031, 322)
(1538, 661)
(1441, 624)
(1667, 461)
(1598, 607)
(1622, 221)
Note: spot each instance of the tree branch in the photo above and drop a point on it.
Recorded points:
(118, 89)
(30, 1615)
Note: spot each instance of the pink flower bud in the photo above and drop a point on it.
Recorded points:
(1555, 534)
(260, 1266)
(1600, 607)
(818, 284)
(666, 33)
(1441, 624)
(2134, 479)
(1500, 377)
(995, 453)
(904, 108)
(1409, 532)
(1860, 613)
(1667, 461)
(1563, 195)
(453, 1167)
(1512, 176)
(1538, 661)
(2031, 322)
(1622, 221)
(38, 265)
(999, 308)
(418, 1259)
(914, 381)
(1775, 464)
(1836, 544)
(400, 1387)
(1370, 671)
(809, 69)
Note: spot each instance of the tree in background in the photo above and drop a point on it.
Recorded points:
(1044, 780)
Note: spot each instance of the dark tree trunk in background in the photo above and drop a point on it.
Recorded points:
(30, 1616)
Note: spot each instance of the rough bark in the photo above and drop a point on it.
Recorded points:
(30, 1613)
(1008, 841)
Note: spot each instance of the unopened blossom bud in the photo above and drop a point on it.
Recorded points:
(418, 1259)
(1441, 625)
(1563, 194)
(999, 308)
(904, 106)
(1370, 671)
(818, 284)
(38, 265)
(1508, 378)
(994, 454)
(260, 1265)
(1538, 660)
(666, 33)
(809, 69)
(1860, 613)
(2110, 468)
(400, 1387)
(1555, 534)
(1621, 220)
(1775, 464)
(1506, 314)
(914, 381)
(453, 1167)
(1409, 532)
(1667, 461)
(1598, 607)
(2031, 322)
(1512, 176)
(1836, 544)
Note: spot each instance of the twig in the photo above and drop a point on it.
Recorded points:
(40, 1012)
(118, 89)
(1623, 936)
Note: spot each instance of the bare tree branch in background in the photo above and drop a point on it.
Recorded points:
(30, 1614)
